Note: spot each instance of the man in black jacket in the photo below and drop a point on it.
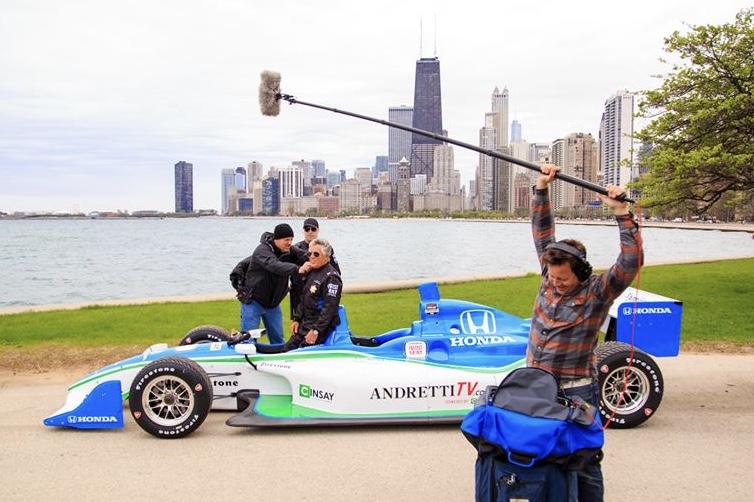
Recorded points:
(317, 312)
(261, 280)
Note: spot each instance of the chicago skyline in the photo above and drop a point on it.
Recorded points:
(98, 99)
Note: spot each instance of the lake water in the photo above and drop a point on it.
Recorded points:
(70, 261)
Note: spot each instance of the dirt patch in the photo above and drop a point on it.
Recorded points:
(42, 359)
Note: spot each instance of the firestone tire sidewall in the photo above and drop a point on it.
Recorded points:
(616, 356)
(186, 375)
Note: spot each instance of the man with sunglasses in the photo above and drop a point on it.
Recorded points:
(317, 312)
(311, 232)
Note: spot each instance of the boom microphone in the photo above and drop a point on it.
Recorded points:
(269, 93)
(269, 103)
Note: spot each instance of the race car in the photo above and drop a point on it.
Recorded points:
(430, 372)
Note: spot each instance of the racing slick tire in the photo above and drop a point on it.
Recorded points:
(205, 334)
(170, 397)
(631, 388)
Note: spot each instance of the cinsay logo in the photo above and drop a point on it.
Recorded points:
(478, 321)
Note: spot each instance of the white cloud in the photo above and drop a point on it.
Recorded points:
(98, 100)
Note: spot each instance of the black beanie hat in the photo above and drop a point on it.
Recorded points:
(311, 222)
(282, 231)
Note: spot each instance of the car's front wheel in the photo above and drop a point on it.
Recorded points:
(631, 385)
(170, 397)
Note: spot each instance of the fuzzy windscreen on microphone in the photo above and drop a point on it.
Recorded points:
(269, 89)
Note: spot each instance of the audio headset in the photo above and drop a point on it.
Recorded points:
(583, 269)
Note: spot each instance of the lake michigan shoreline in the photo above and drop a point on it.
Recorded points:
(360, 287)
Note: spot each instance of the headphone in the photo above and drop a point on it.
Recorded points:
(583, 269)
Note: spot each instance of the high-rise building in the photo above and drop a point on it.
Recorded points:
(380, 164)
(307, 173)
(403, 187)
(427, 115)
(577, 156)
(487, 141)
(364, 176)
(616, 139)
(515, 131)
(398, 141)
(241, 179)
(581, 155)
(351, 196)
(255, 171)
(500, 115)
(291, 181)
(184, 187)
(270, 196)
(502, 183)
(228, 187)
(318, 168)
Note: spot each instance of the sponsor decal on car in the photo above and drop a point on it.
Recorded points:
(478, 322)
(415, 349)
(268, 364)
(307, 392)
(453, 390)
(225, 383)
(470, 341)
(79, 419)
(646, 310)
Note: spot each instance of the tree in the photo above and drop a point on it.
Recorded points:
(701, 132)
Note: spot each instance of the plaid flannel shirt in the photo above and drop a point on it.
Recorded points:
(565, 328)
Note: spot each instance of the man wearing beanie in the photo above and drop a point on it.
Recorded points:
(311, 232)
(261, 280)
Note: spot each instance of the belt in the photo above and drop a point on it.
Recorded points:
(572, 384)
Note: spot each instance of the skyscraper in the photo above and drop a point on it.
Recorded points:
(488, 141)
(398, 141)
(616, 139)
(380, 164)
(500, 115)
(427, 115)
(228, 187)
(184, 187)
(515, 131)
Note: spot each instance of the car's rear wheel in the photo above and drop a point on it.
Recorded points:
(205, 334)
(170, 397)
(631, 385)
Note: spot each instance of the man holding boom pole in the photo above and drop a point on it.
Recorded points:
(572, 304)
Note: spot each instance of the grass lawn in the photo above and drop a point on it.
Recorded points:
(717, 299)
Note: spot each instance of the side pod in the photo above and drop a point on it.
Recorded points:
(102, 408)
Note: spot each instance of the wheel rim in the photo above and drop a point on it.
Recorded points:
(625, 390)
(167, 401)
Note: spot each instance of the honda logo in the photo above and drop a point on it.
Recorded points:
(478, 322)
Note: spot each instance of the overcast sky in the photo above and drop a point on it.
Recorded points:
(100, 98)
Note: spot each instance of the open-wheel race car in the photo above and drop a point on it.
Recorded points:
(430, 372)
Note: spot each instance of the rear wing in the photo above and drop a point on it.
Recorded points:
(647, 320)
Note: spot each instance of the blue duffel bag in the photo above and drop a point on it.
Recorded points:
(528, 435)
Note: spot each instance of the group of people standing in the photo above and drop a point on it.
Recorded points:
(569, 309)
(308, 269)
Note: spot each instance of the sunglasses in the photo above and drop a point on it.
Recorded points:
(315, 254)
(310, 229)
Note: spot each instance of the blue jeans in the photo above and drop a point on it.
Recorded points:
(251, 313)
(590, 482)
